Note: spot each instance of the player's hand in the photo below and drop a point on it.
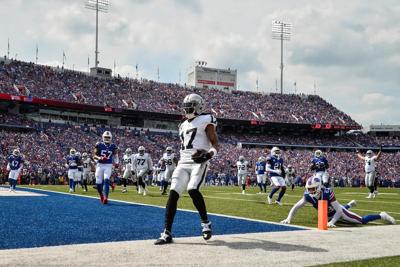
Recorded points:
(285, 221)
(357, 151)
(103, 158)
(201, 156)
(66, 165)
(331, 225)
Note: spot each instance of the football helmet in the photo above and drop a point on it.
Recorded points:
(16, 152)
(313, 187)
(128, 151)
(84, 155)
(318, 153)
(169, 150)
(192, 105)
(107, 137)
(141, 150)
(275, 151)
(241, 158)
(261, 159)
(72, 151)
(369, 153)
(78, 153)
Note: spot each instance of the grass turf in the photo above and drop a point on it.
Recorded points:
(375, 262)
(228, 200)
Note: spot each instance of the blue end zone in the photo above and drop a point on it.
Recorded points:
(60, 219)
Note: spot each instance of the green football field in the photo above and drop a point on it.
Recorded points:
(229, 201)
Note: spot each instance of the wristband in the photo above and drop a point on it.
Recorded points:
(213, 150)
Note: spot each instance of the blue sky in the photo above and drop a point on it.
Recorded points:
(350, 49)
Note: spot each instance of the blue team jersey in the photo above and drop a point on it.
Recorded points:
(15, 162)
(326, 194)
(260, 167)
(320, 163)
(72, 161)
(276, 164)
(106, 150)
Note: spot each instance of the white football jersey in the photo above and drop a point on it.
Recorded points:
(193, 136)
(128, 161)
(242, 167)
(370, 164)
(169, 161)
(142, 162)
(86, 164)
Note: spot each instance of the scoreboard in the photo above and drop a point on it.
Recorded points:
(204, 77)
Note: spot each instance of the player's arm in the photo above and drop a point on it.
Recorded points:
(359, 155)
(95, 152)
(203, 156)
(338, 213)
(294, 210)
(379, 153)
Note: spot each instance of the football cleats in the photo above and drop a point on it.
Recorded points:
(192, 105)
(107, 137)
(72, 151)
(16, 152)
(313, 187)
(128, 151)
(275, 151)
(141, 150)
(318, 153)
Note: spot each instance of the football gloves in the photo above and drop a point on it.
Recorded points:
(331, 225)
(201, 156)
(286, 221)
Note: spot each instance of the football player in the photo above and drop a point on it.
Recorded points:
(315, 191)
(170, 161)
(14, 166)
(106, 153)
(242, 166)
(72, 165)
(78, 177)
(261, 175)
(199, 143)
(142, 165)
(128, 170)
(87, 163)
(290, 176)
(370, 171)
(319, 164)
(276, 173)
(162, 169)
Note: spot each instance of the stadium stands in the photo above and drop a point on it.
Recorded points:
(20, 78)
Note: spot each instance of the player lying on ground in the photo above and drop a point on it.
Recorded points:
(314, 192)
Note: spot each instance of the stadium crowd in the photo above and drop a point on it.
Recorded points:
(46, 146)
(21, 78)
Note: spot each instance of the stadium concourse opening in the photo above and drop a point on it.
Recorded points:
(54, 219)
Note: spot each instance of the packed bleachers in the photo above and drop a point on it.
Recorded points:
(48, 148)
(20, 78)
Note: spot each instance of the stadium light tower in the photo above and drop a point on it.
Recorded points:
(98, 6)
(281, 31)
